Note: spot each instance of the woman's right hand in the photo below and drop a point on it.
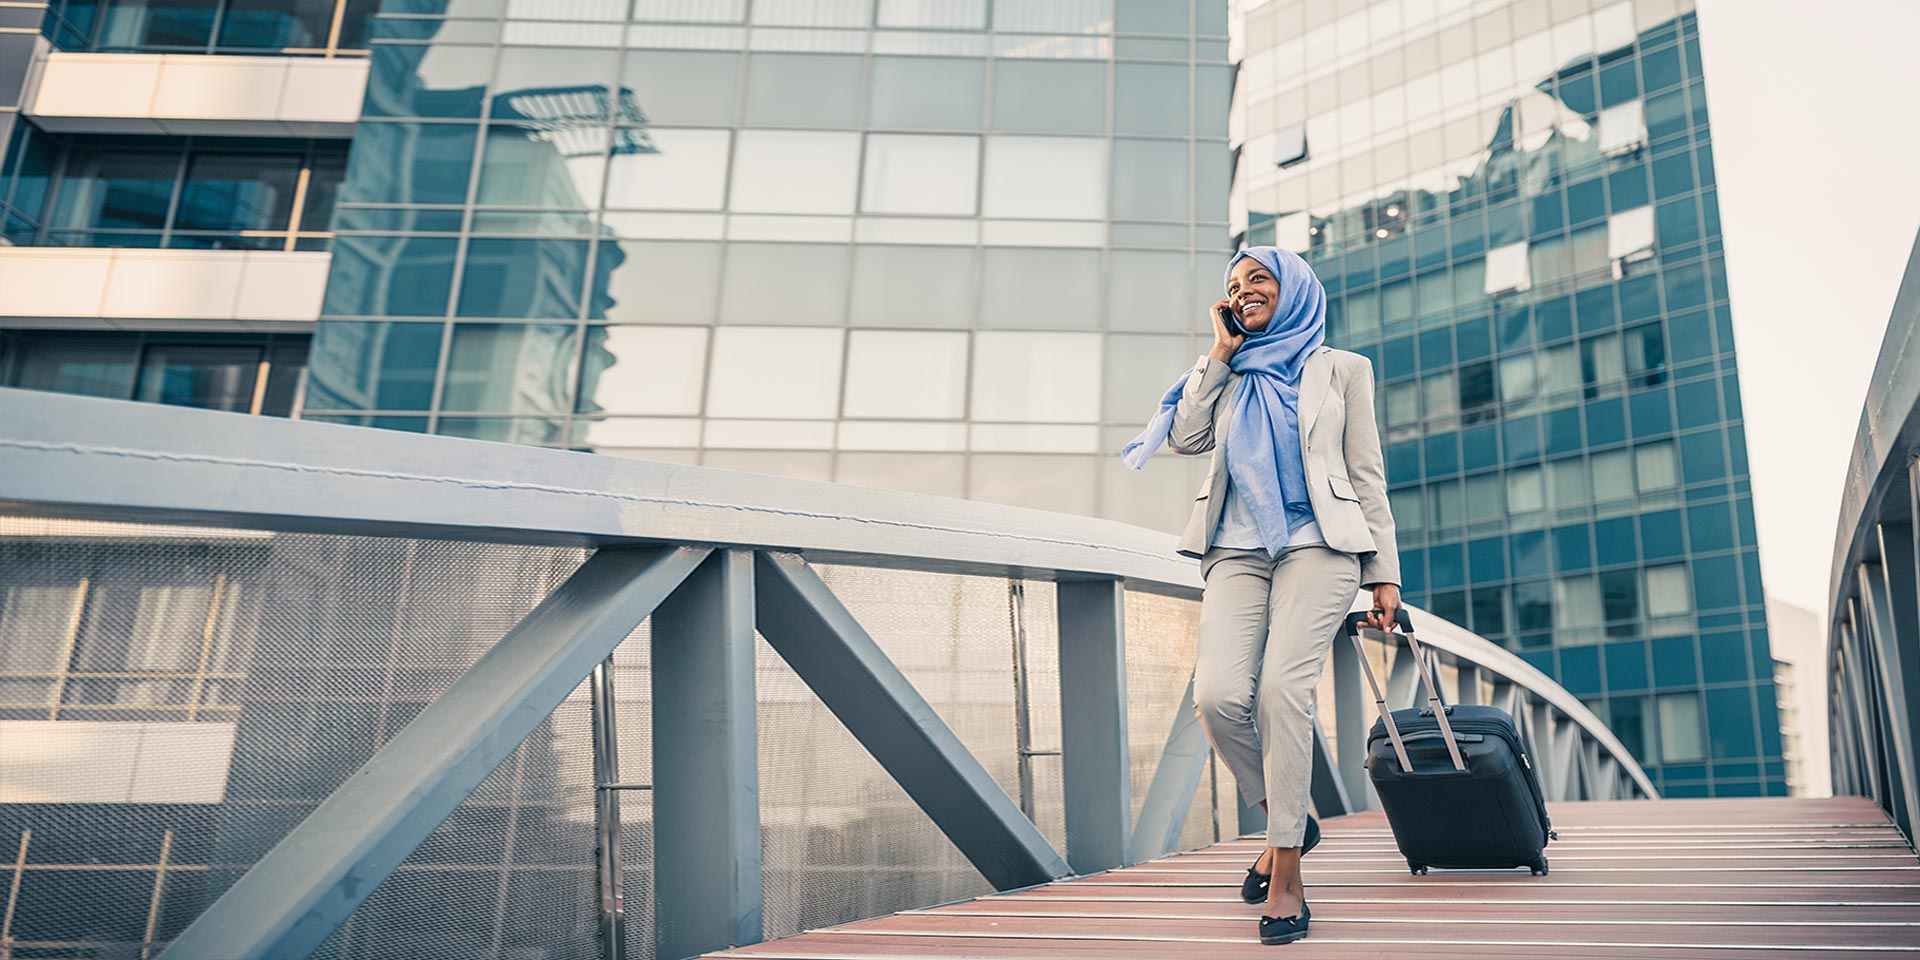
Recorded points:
(1225, 342)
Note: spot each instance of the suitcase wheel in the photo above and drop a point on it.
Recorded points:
(1417, 869)
(1540, 867)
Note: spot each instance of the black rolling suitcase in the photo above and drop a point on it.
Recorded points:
(1455, 781)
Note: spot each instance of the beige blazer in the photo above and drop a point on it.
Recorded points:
(1339, 441)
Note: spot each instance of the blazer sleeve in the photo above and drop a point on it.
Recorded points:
(1366, 470)
(1192, 430)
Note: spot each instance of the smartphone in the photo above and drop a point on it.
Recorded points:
(1233, 322)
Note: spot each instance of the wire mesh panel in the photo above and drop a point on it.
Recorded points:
(1162, 635)
(194, 695)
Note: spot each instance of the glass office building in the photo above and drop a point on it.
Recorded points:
(951, 246)
(1512, 207)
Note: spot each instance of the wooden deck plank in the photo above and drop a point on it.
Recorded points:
(1670, 880)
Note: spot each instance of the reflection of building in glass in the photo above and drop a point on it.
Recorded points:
(951, 246)
(1513, 211)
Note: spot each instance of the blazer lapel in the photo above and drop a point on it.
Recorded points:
(1315, 375)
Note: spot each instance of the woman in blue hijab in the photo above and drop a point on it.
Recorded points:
(1291, 520)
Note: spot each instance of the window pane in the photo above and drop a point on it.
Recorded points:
(686, 170)
(1041, 96)
(1036, 377)
(1444, 499)
(94, 367)
(1601, 360)
(325, 171)
(785, 283)
(117, 190)
(1560, 370)
(1612, 476)
(659, 281)
(276, 23)
(896, 373)
(238, 191)
(802, 90)
(1576, 609)
(1668, 593)
(536, 279)
(643, 370)
(953, 14)
(1044, 178)
(210, 377)
(158, 23)
(1656, 467)
(1517, 377)
(1150, 98)
(772, 372)
(1525, 493)
(937, 283)
(1409, 509)
(1149, 180)
(389, 276)
(410, 163)
(813, 13)
(1680, 739)
(1569, 479)
(921, 174)
(429, 81)
(926, 93)
(673, 86)
(542, 166)
(510, 368)
(1403, 404)
(554, 84)
(1046, 289)
(1148, 291)
(1053, 16)
(372, 366)
(1484, 500)
(1442, 396)
(795, 172)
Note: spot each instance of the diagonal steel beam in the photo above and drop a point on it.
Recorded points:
(1328, 790)
(309, 883)
(820, 639)
(1156, 832)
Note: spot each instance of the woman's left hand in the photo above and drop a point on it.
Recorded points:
(1386, 603)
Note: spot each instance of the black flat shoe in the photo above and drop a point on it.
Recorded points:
(1275, 930)
(1254, 888)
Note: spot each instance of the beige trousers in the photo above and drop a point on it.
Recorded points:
(1265, 624)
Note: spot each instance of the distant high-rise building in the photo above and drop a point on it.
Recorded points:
(1512, 207)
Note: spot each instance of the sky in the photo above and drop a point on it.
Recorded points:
(1814, 148)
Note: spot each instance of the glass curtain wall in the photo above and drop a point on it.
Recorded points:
(940, 245)
(1512, 206)
(324, 28)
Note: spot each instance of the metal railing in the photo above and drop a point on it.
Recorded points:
(1873, 654)
(695, 564)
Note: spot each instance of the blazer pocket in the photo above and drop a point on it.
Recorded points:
(1342, 488)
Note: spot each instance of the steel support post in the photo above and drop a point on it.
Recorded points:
(1466, 687)
(307, 885)
(706, 762)
(1566, 765)
(609, 872)
(1350, 725)
(1093, 724)
(1866, 741)
(1403, 678)
(1590, 770)
(823, 643)
(1545, 750)
(1892, 603)
(1163, 814)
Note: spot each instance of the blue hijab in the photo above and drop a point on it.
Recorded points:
(1263, 454)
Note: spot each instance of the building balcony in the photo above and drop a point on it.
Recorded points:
(194, 94)
(116, 288)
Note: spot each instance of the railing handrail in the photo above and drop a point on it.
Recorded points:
(66, 455)
(1889, 429)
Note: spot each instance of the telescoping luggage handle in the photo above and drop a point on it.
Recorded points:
(1356, 623)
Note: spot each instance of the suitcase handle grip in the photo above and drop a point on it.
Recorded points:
(1356, 625)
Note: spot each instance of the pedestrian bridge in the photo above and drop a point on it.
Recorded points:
(281, 689)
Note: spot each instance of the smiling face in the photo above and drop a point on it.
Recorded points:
(1252, 290)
